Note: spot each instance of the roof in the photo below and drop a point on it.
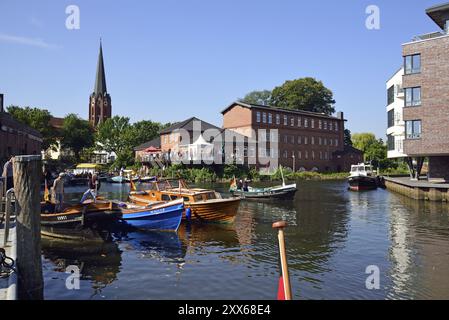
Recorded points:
(88, 166)
(439, 14)
(56, 123)
(100, 79)
(188, 125)
(349, 149)
(156, 142)
(6, 117)
(271, 108)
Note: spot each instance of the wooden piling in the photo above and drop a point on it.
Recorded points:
(27, 178)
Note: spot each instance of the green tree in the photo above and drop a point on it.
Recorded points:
(37, 119)
(77, 134)
(375, 150)
(306, 94)
(258, 97)
(363, 141)
(144, 131)
(347, 138)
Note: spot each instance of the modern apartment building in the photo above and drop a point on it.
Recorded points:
(426, 97)
(396, 124)
(306, 140)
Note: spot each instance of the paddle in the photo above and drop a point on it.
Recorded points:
(284, 289)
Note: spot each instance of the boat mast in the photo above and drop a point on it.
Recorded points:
(282, 175)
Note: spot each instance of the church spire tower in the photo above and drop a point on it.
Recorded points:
(100, 107)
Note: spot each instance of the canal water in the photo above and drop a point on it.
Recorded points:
(334, 235)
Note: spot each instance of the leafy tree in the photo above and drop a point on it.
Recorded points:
(144, 131)
(77, 134)
(258, 97)
(347, 138)
(37, 119)
(306, 94)
(363, 141)
(375, 150)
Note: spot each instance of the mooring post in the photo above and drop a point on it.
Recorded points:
(27, 177)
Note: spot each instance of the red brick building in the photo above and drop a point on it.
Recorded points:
(306, 140)
(426, 88)
(15, 137)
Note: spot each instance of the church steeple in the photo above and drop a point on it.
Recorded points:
(100, 79)
(100, 107)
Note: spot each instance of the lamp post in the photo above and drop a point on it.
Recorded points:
(294, 162)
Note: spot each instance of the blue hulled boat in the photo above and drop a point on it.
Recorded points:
(158, 216)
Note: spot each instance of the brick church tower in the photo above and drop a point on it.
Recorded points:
(100, 107)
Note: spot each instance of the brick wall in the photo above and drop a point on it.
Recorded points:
(434, 109)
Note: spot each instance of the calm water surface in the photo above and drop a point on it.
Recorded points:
(333, 235)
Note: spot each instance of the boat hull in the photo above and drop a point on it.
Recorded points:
(362, 183)
(166, 217)
(285, 193)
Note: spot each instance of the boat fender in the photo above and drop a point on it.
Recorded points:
(188, 214)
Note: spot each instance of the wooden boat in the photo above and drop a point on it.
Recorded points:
(205, 205)
(283, 191)
(362, 177)
(79, 216)
(159, 216)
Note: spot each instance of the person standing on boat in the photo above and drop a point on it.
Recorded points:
(8, 174)
(245, 186)
(58, 189)
(240, 185)
(91, 189)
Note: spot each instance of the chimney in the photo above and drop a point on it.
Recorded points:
(1, 102)
(340, 115)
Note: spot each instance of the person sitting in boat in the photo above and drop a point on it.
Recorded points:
(58, 189)
(91, 190)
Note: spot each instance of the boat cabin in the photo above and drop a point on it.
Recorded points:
(362, 169)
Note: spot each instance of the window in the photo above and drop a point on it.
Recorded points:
(264, 117)
(306, 140)
(412, 64)
(313, 155)
(285, 120)
(413, 97)
(336, 142)
(292, 139)
(312, 140)
(312, 122)
(321, 155)
(299, 122)
(390, 95)
(325, 125)
(299, 139)
(306, 154)
(299, 155)
(286, 139)
(326, 155)
(285, 154)
(413, 129)
(325, 141)
(336, 126)
(331, 142)
(270, 118)
(390, 142)
(330, 126)
(292, 122)
(306, 123)
(320, 141)
(390, 118)
(278, 119)
(258, 117)
(320, 124)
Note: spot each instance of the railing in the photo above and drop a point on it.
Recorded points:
(8, 211)
(431, 35)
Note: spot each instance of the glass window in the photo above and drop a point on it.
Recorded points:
(299, 121)
(306, 123)
(312, 140)
(390, 142)
(412, 64)
(325, 125)
(390, 118)
(257, 116)
(306, 140)
(312, 122)
(336, 126)
(278, 119)
(285, 120)
(320, 124)
(413, 129)
(412, 97)
(292, 122)
(299, 139)
(331, 126)
(264, 117)
(270, 118)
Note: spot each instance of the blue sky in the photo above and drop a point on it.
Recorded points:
(169, 60)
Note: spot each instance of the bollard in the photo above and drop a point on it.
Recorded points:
(283, 258)
(27, 178)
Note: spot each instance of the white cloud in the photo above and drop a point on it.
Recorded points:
(36, 42)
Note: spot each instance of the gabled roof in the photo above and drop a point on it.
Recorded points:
(188, 125)
(271, 108)
(156, 142)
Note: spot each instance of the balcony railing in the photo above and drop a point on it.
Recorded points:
(427, 36)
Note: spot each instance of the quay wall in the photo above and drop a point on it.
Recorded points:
(438, 194)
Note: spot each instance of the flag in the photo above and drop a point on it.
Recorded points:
(281, 289)
(46, 192)
(133, 186)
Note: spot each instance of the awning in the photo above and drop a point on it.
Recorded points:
(88, 166)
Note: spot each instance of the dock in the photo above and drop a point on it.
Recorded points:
(418, 189)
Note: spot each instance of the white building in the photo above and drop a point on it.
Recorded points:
(396, 124)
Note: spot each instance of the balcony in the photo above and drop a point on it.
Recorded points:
(428, 36)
